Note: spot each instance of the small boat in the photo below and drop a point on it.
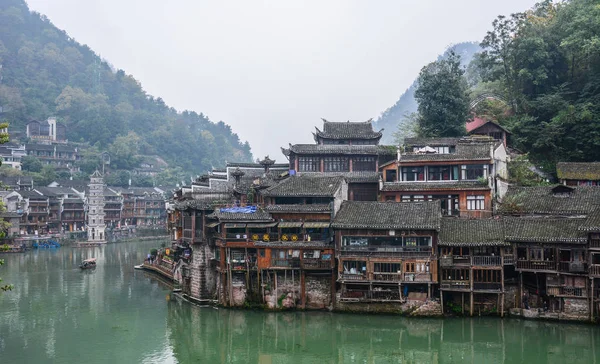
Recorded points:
(138, 266)
(88, 264)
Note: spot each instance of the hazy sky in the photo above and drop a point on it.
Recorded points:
(272, 69)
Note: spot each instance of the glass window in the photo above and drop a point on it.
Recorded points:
(413, 173)
(391, 175)
(475, 202)
(442, 173)
(473, 171)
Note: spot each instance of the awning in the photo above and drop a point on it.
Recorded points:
(234, 226)
(212, 224)
(290, 224)
(264, 225)
(316, 225)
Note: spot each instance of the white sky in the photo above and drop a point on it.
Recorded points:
(272, 69)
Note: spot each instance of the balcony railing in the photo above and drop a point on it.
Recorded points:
(486, 261)
(390, 251)
(455, 284)
(315, 263)
(285, 263)
(566, 291)
(572, 267)
(536, 265)
(446, 261)
(595, 270)
(353, 277)
(594, 243)
(417, 277)
(387, 277)
(486, 286)
(509, 260)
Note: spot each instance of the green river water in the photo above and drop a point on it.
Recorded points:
(113, 314)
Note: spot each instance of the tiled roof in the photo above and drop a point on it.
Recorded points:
(579, 171)
(477, 123)
(339, 149)
(348, 130)
(592, 222)
(258, 165)
(464, 151)
(351, 177)
(388, 215)
(293, 244)
(315, 208)
(476, 232)
(306, 186)
(432, 142)
(432, 186)
(48, 147)
(544, 230)
(32, 195)
(196, 204)
(259, 215)
(73, 200)
(542, 200)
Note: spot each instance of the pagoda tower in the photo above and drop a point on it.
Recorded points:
(95, 224)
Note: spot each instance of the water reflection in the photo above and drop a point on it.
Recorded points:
(60, 314)
(235, 336)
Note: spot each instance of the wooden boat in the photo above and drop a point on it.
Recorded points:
(138, 266)
(88, 264)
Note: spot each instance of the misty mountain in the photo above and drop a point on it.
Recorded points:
(406, 104)
(45, 72)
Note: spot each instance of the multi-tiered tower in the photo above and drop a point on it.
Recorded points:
(95, 201)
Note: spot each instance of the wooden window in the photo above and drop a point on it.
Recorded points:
(473, 171)
(409, 267)
(386, 267)
(309, 164)
(364, 163)
(391, 175)
(336, 164)
(442, 173)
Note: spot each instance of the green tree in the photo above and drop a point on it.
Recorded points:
(443, 98)
(31, 164)
(124, 150)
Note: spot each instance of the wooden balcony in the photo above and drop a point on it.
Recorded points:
(572, 267)
(388, 251)
(353, 277)
(487, 286)
(285, 263)
(316, 263)
(486, 261)
(595, 270)
(417, 277)
(459, 285)
(561, 291)
(536, 265)
(387, 277)
(509, 260)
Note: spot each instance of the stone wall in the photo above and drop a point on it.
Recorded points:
(282, 290)
(204, 279)
(318, 292)
(238, 289)
(416, 308)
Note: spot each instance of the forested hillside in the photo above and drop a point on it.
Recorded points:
(45, 72)
(546, 63)
(397, 115)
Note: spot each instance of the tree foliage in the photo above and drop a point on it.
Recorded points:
(442, 94)
(46, 73)
(546, 62)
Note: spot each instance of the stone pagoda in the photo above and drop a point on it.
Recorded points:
(95, 225)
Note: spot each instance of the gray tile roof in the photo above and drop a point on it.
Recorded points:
(471, 232)
(315, 208)
(294, 244)
(351, 177)
(348, 130)
(306, 186)
(432, 142)
(549, 200)
(388, 215)
(578, 171)
(311, 149)
(259, 215)
(464, 151)
(544, 230)
(592, 222)
(431, 186)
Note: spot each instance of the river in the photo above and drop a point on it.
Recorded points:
(113, 314)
